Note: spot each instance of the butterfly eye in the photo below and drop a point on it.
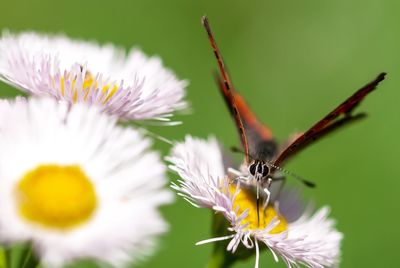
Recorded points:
(252, 169)
(265, 171)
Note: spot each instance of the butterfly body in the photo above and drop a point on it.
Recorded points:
(263, 152)
(263, 156)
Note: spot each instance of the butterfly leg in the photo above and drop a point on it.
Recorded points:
(258, 202)
(238, 176)
(267, 192)
(234, 172)
(265, 204)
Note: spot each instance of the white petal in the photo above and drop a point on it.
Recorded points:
(127, 177)
(53, 65)
(199, 164)
(311, 240)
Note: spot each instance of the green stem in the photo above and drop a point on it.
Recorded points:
(220, 258)
(22, 257)
(3, 258)
(27, 258)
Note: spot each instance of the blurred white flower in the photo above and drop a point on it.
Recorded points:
(310, 240)
(76, 185)
(132, 86)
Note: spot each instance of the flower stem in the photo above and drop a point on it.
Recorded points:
(3, 258)
(220, 258)
(28, 259)
(21, 256)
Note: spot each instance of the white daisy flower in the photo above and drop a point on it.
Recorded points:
(310, 240)
(132, 86)
(76, 185)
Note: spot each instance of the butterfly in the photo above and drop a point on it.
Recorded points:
(263, 155)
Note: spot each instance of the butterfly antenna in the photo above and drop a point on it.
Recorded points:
(237, 150)
(304, 181)
(294, 175)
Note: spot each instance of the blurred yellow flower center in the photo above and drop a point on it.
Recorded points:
(55, 196)
(247, 200)
(88, 84)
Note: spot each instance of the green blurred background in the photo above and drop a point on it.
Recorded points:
(293, 61)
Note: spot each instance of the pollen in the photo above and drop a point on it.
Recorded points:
(87, 87)
(246, 200)
(58, 197)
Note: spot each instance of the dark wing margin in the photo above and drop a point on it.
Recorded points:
(329, 122)
(226, 88)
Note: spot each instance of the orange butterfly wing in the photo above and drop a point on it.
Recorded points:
(261, 144)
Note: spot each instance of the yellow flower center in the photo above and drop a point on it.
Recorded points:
(247, 200)
(86, 87)
(58, 197)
